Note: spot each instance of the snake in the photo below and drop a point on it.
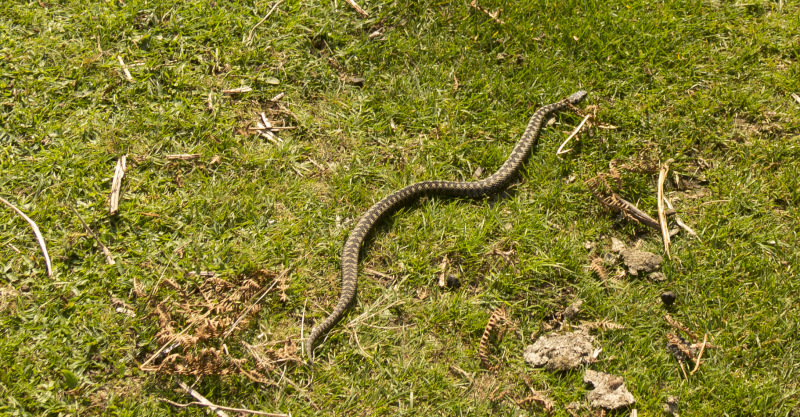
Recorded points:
(488, 185)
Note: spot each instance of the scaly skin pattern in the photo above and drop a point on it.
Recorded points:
(391, 202)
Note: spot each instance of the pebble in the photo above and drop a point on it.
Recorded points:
(668, 297)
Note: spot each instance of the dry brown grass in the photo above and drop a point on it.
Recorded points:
(212, 314)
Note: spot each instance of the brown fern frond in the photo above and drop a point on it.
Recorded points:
(497, 319)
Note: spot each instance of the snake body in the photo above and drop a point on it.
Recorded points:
(389, 203)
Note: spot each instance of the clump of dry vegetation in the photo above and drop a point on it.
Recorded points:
(212, 314)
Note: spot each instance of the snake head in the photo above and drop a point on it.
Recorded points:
(577, 97)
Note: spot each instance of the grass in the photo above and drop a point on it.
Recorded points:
(708, 83)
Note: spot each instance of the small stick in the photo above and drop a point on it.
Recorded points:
(36, 232)
(686, 227)
(267, 125)
(378, 274)
(116, 185)
(250, 35)
(662, 217)
(278, 97)
(676, 324)
(627, 208)
(238, 90)
(680, 222)
(574, 132)
(796, 97)
(109, 258)
(203, 401)
(184, 156)
(210, 102)
(358, 9)
(699, 355)
(637, 214)
(464, 374)
(273, 128)
(443, 273)
(219, 408)
(302, 327)
(683, 370)
(204, 274)
(265, 120)
(125, 69)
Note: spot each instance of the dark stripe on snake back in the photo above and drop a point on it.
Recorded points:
(389, 203)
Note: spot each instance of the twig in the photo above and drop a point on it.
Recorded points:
(203, 400)
(125, 69)
(677, 325)
(238, 90)
(464, 374)
(699, 355)
(680, 222)
(116, 185)
(278, 97)
(378, 274)
(358, 9)
(686, 227)
(662, 217)
(637, 214)
(627, 208)
(267, 125)
(184, 156)
(574, 132)
(715, 201)
(443, 272)
(219, 408)
(250, 35)
(273, 128)
(204, 274)
(109, 258)
(796, 97)
(210, 102)
(302, 327)
(36, 232)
